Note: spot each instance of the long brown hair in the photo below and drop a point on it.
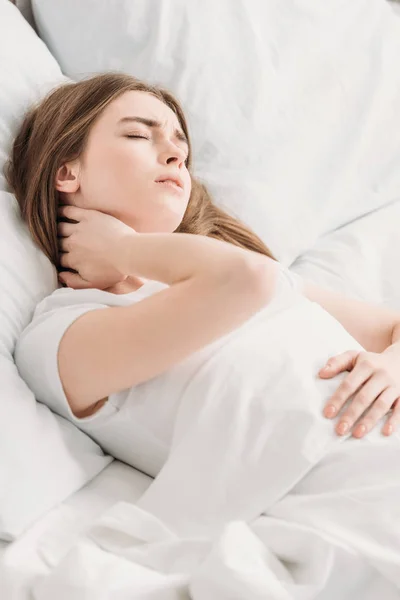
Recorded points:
(55, 131)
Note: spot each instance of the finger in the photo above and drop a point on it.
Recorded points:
(394, 420)
(341, 362)
(379, 409)
(74, 281)
(347, 388)
(367, 395)
(61, 244)
(64, 243)
(65, 229)
(71, 212)
(65, 260)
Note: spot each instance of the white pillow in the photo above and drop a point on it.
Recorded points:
(396, 6)
(27, 72)
(43, 457)
(293, 106)
(361, 259)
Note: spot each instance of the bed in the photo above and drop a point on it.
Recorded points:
(351, 245)
(338, 262)
(44, 544)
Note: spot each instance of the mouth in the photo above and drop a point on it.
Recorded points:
(172, 184)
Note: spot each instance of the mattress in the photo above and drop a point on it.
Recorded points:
(44, 544)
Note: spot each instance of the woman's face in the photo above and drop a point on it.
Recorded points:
(117, 172)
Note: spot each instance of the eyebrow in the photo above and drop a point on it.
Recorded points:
(155, 124)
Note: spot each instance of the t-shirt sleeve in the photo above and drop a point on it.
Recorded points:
(36, 357)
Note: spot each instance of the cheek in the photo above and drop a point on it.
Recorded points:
(188, 187)
(118, 165)
(110, 178)
(189, 184)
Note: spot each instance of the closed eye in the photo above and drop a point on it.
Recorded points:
(146, 138)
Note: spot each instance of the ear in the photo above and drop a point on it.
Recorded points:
(67, 178)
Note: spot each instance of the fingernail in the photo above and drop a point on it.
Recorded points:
(361, 430)
(389, 429)
(343, 427)
(330, 411)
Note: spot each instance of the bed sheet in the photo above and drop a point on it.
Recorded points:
(361, 259)
(47, 541)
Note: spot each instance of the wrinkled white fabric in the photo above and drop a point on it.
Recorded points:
(259, 498)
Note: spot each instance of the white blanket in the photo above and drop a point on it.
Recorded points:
(259, 499)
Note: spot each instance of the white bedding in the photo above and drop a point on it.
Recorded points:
(46, 542)
(259, 498)
(362, 259)
(292, 106)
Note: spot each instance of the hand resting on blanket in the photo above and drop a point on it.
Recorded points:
(374, 380)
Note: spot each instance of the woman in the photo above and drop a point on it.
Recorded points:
(101, 170)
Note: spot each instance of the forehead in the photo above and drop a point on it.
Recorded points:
(139, 104)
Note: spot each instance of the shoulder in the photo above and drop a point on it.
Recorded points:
(63, 298)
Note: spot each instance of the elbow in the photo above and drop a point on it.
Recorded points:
(254, 275)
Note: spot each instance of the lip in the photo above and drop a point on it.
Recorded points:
(172, 180)
(171, 185)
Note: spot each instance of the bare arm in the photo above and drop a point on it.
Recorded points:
(214, 288)
(370, 324)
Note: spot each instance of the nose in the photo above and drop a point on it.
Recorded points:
(173, 154)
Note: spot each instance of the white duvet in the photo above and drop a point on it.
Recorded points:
(259, 498)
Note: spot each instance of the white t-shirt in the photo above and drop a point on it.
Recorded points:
(135, 425)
